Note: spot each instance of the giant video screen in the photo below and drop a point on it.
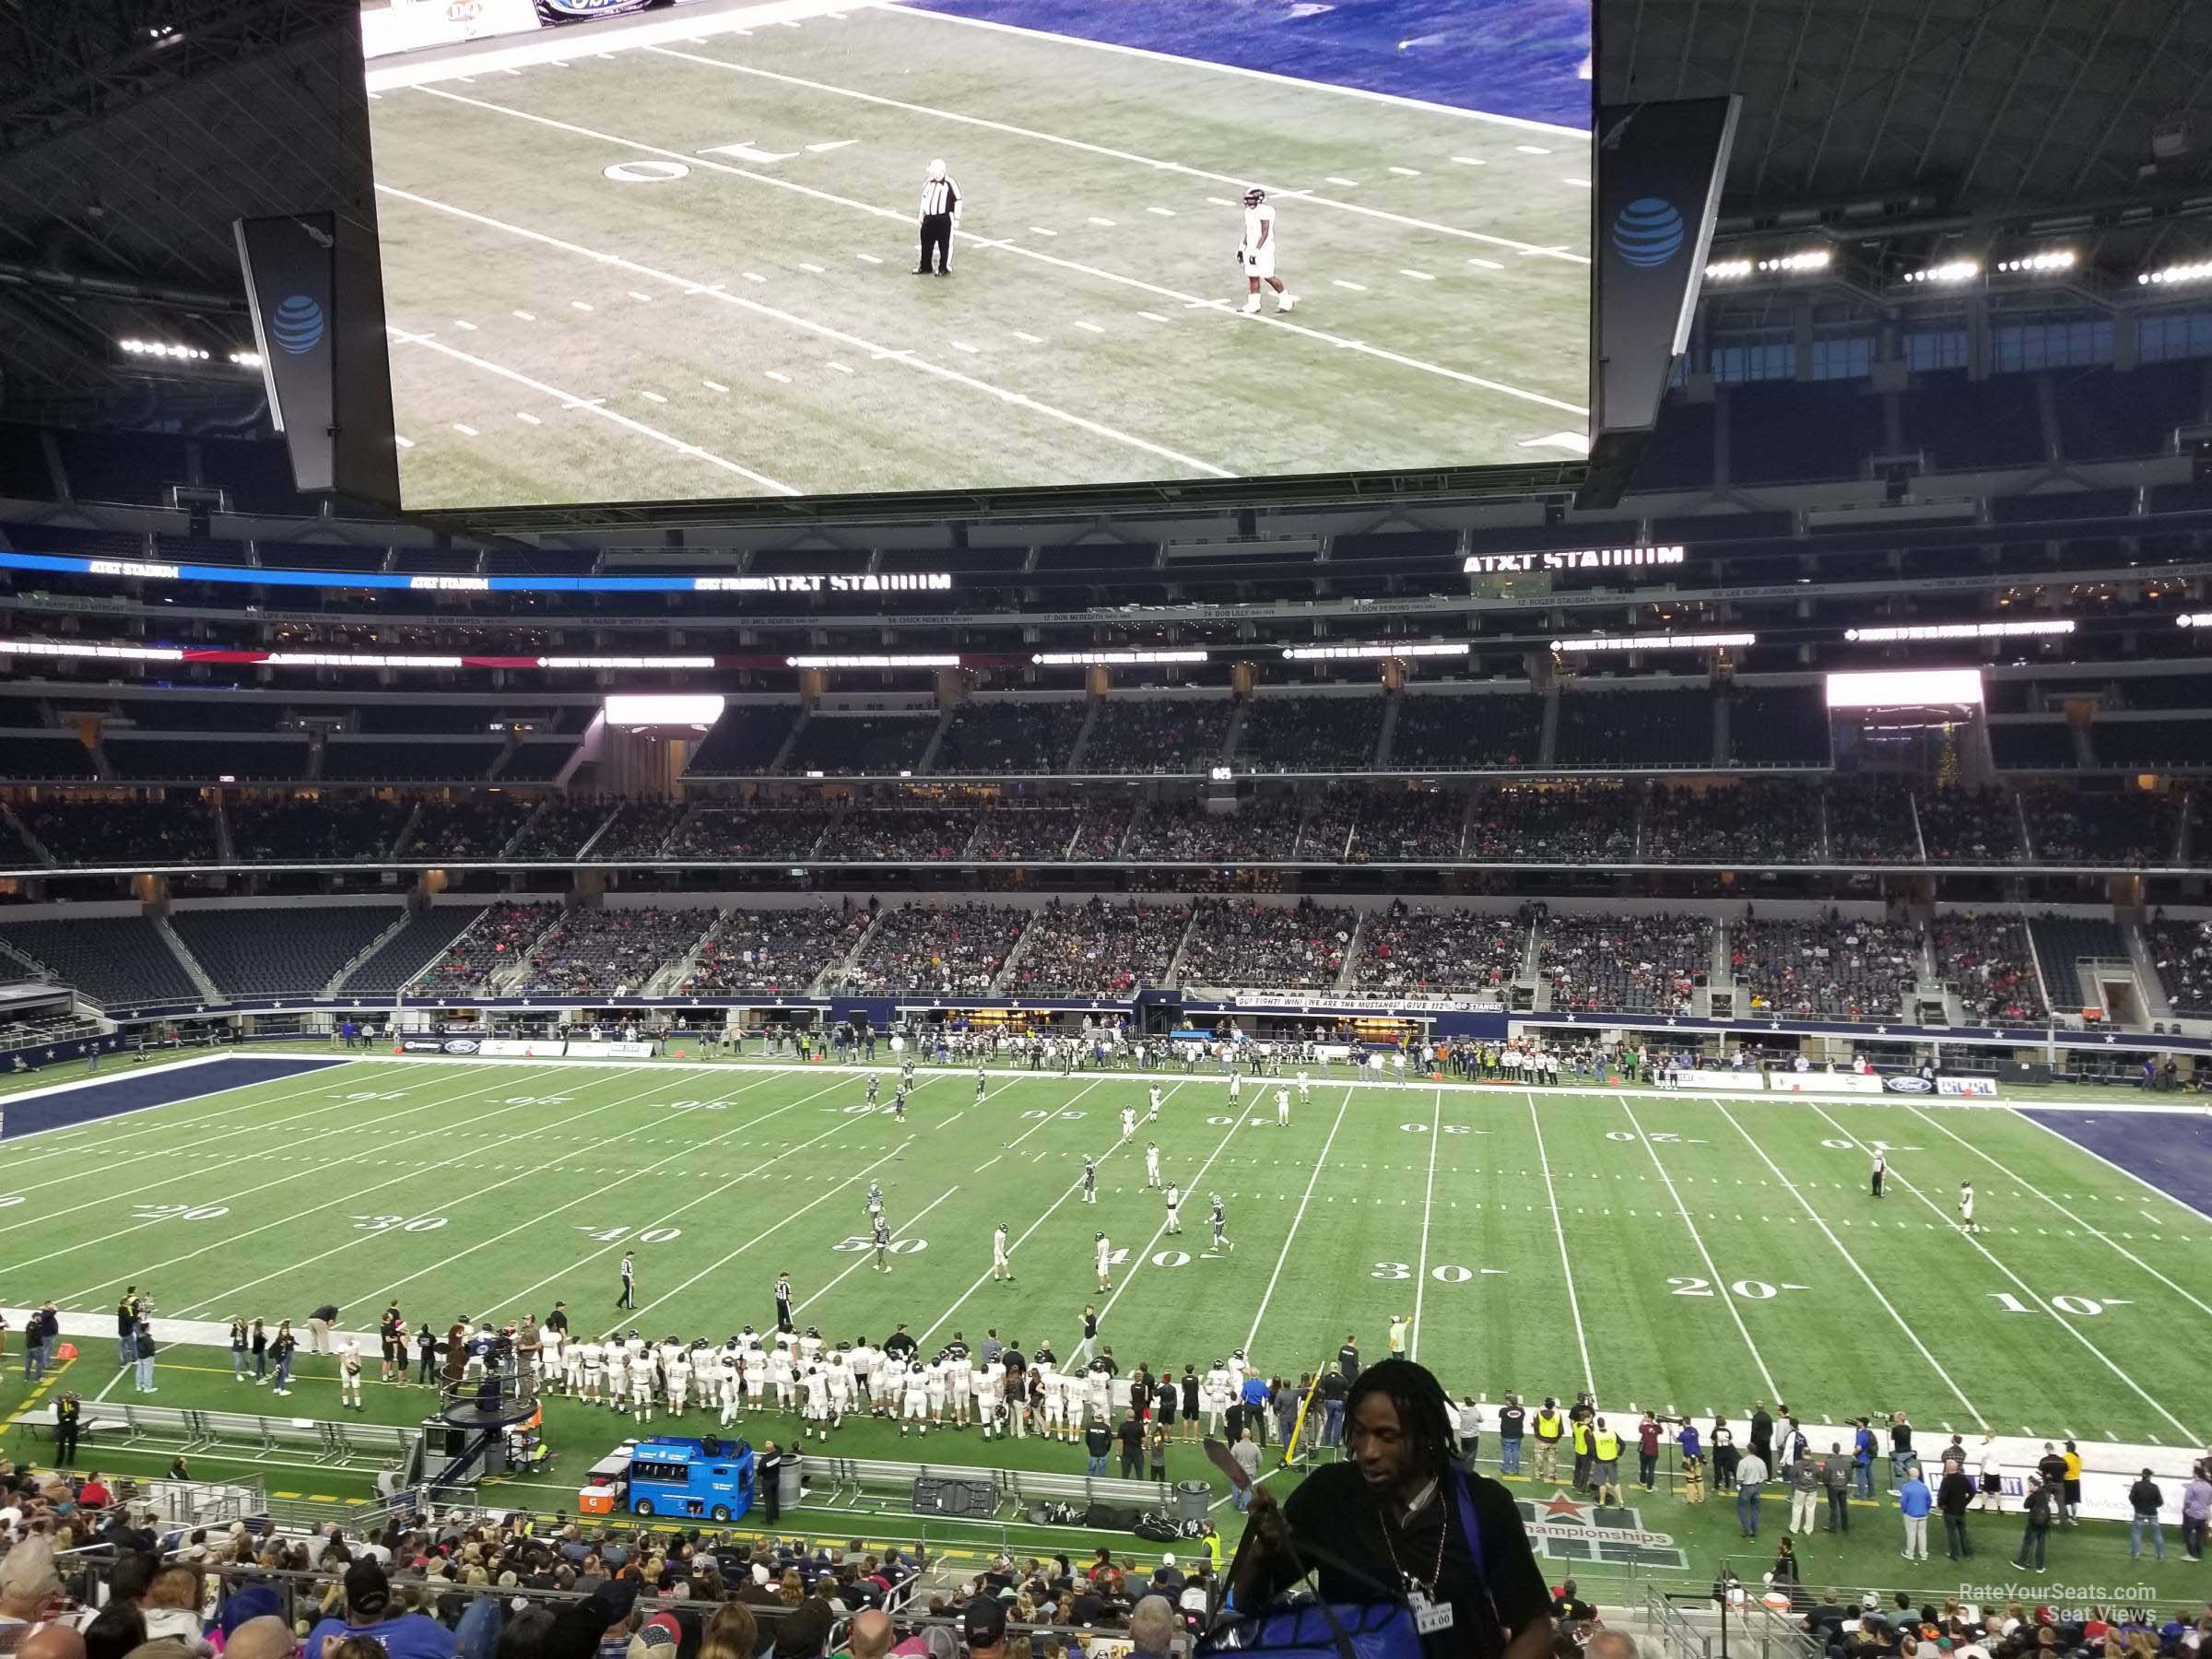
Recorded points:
(635, 250)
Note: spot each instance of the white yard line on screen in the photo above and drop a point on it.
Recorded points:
(1851, 1261)
(1719, 1284)
(1291, 1237)
(576, 401)
(921, 365)
(861, 1259)
(2074, 1331)
(1574, 1306)
(1421, 1278)
(901, 217)
(1151, 163)
(2071, 1215)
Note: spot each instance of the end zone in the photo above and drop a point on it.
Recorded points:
(68, 1105)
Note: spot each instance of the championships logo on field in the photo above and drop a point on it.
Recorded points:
(1561, 1528)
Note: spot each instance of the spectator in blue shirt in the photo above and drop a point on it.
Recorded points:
(369, 1613)
(1254, 1394)
(1862, 1458)
(1914, 1503)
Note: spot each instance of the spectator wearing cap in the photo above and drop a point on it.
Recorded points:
(657, 1638)
(369, 1613)
(29, 1587)
(984, 1627)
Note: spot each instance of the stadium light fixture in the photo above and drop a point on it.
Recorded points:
(1112, 659)
(1805, 259)
(2051, 262)
(246, 360)
(1656, 642)
(1949, 271)
(1379, 651)
(871, 661)
(1956, 630)
(74, 650)
(169, 350)
(2193, 619)
(1905, 688)
(1728, 270)
(629, 662)
(2196, 271)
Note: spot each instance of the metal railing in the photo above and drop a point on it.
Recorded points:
(1731, 1626)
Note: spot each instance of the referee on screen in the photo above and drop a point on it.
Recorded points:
(941, 213)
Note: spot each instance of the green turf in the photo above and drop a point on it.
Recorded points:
(956, 383)
(544, 1173)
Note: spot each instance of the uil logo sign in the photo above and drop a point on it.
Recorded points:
(1561, 1528)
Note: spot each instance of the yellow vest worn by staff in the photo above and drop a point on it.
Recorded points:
(1582, 1440)
(1608, 1446)
(1547, 1425)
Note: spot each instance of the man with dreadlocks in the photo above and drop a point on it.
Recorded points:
(1404, 1518)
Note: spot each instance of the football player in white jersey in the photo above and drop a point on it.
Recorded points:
(1102, 1253)
(641, 1388)
(678, 1382)
(1282, 1108)
(916, 1402)
(1213, 1394)
(780, 1372)
(933, 1387)
(1152, 1105)
(1305, 1090)
(1256, 253)
(990, 1395)
(1175, 1208)
(705, 1367)
(1002, 1266)
(861, 1361)
(814, 1390)
(589, 1360)
(349, 1375)
(1151, 1163)
(810, 1344)
(617, 1374)
(552, 1358)
(1236, 1088)
(1055, 1403)
(755, 1377)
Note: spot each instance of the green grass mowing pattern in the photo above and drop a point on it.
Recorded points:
(542, 1174)
(1468, 203)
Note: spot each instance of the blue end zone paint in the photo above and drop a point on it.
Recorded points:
(136, 1092)
(2172, 1152)
(1503, 58)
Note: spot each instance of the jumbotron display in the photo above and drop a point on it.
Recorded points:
(638, 250)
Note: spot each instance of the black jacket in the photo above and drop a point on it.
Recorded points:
(2145, 1498)
(1955, 1494)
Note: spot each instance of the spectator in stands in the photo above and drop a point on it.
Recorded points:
(29, 1587)
(1153, 1627)
(370, 1613)
(1834, 969)
(1647, 963)
(1237, 943)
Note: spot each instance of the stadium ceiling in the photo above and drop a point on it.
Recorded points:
(132, 132)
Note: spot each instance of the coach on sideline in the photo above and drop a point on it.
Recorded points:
(940, 216)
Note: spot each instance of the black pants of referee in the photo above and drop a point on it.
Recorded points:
(936, 233)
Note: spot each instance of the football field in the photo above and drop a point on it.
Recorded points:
(675, 260)
(1691, 1253)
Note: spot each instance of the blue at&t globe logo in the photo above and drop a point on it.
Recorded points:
(1648, 233)
(295, 325)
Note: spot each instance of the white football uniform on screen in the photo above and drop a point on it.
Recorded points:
(1259, 259)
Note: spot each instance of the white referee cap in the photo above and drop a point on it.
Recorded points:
(936, 169)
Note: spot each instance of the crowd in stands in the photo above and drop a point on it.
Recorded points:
(1099, 949)
(501, 938)
(1236, 944)
(1509, 823)
(642, 830)
(1833, 969)
(1760, 821)
(1992, 961)
(611, 952)
(1289, 733)
(878, 744)
(1102, 830)
(1409, 826)
(779, 834)
(901, 835)
(1156, 735)
(110, 831)
(1439, 952)
(1500, 731)
(775, 951)
(1025, 834)
(947, 950)
(1870, 822)
(1332, 818)
(2133, 828)
(469, 826)
(2183, 952)
(1969, 825)
(1634, 728)
(1014, 736)
(339, 827)
(1642, 964)
(1261, 830)
(563, 828)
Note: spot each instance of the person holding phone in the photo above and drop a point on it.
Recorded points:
(1402, 1517)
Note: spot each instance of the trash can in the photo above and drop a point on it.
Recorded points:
(1192, 1499)
(789, 1479)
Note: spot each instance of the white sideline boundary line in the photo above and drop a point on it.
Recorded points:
(1421, 1281)
(1720, 1285)
(2072, 1330)
(937, 371)
(1851, 1261)
(1152, 163)
(695, 159)
(574, 400)
(2086, 1225)
(1574, 1306)
(1252, 1337)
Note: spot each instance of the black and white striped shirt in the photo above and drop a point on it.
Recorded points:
(940, 196)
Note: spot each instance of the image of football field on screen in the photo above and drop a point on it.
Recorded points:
(672, 256)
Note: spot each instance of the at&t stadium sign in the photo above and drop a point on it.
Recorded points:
(1578, 558)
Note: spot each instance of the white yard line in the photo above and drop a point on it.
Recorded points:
(1851, 1261)
(380, 1152)
(901, 218)
(577, 401)
(1720, 1285)
(860, 1260)
(1291, 1237)
(2186, 1432)
(1421, 1278)
(1574, 1306)
(922, 365)
(1151, 163)
(2073, 1215)
(348, 1131)
(378, 1297)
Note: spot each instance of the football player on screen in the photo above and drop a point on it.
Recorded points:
(1255, 253)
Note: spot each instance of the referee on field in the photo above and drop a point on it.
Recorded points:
(941, 213)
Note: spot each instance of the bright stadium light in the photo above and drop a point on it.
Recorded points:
(1112, 659)
(871, 661)
(664, 709)
(1656, 642)
(1956, 631)
(2048, 263)
(1728, 270)
(169, 350)
(627, 661)
(119, 654)
(1381, 651)
(2196, 271)
(1808, 259)
(1905, 688)
(1950, 270)
(2193, 619)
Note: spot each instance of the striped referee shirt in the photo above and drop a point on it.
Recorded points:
(940, 196)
